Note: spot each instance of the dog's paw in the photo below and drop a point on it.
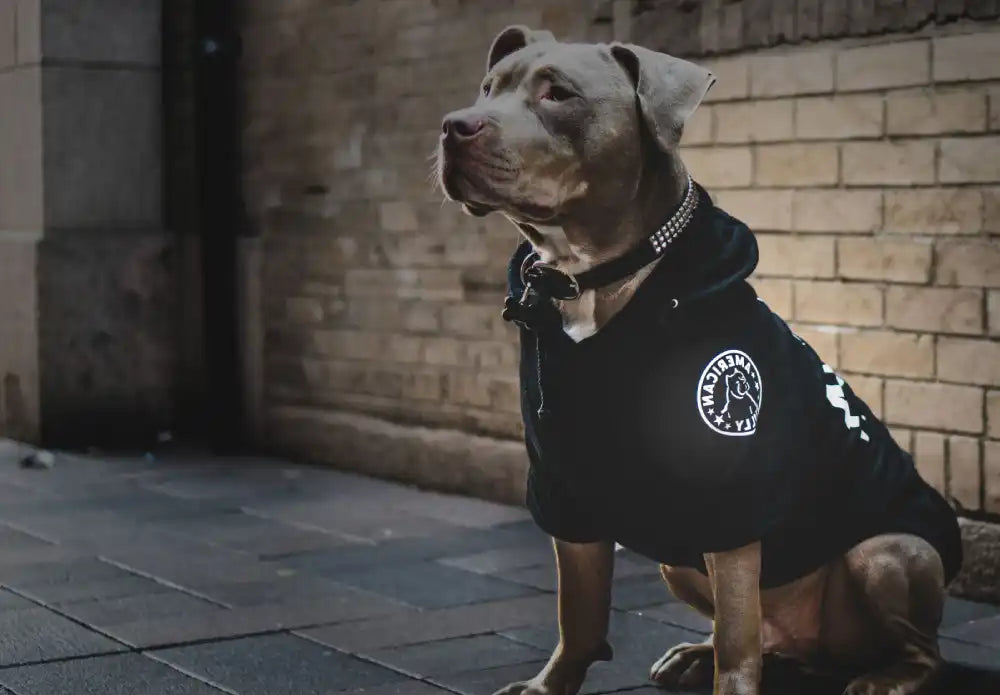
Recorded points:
(685, 666)
(524, 688)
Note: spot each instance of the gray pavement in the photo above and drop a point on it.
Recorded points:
(191, 575)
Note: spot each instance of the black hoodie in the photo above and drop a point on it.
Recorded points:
(696, 421)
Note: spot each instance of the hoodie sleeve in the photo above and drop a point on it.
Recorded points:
(558, 512)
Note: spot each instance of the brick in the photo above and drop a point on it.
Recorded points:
(444, 352)
(968, 263)
(968, 361)
(993, 414)
(489, 355)
(930, 113)
(472, 320)
(838, 303)
(967, 160)
(884, 65)
(933, 211)
(732, 78)
(777, 294)
(900, 163)
(823, 339)
(994, 99)
(698, 128)
(903, 437)
(838, 118)
(836, 211)
(967, 57)
(991, 210)
(720, 167)
(991, 477)
(8, 40)
(936, 406)
(761, 209)
(993, 310)
(304, 309)
(796, 164)
(868, 389)
(805, 257)
(939, 310)
(467, 389)
(405, 283)
(795, 72)
(929, 457)
(964, 470)
(885, 352)
(754, 121)
(883, 259)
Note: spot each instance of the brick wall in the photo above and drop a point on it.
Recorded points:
(869, 168)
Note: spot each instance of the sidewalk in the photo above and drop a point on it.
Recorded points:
(200, 576)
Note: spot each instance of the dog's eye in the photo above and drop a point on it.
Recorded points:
(487, 86)
(554, 92)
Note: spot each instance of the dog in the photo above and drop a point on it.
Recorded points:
(790, 518)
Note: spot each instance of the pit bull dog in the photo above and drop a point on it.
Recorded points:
(668, 409)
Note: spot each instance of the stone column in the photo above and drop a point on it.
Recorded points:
(87, 288)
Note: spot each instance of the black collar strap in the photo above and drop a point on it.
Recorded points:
(548, 281)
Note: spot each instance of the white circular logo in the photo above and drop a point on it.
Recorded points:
(729, 394)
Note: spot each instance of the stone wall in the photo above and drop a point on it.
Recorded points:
(867, 165)
(86, 267)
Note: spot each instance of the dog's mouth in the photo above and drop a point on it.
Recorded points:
(484, 184)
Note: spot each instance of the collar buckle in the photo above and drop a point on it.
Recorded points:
(551, 281)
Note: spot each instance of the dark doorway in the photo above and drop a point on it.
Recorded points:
(221, 214)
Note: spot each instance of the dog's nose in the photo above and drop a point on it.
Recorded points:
(457, 128)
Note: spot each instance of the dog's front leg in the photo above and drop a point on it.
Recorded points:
(734, 576)
(585, 571)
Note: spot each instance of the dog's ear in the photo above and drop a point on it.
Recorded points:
(514, 38)
(667, 89)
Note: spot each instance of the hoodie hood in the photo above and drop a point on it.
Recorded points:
(716, 253)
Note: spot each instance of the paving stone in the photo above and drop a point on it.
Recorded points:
(262, 537)
(963, 679)
(680, 614)
(493, 561)
(430, 585)
(14, 541)
(407, 687)
(53, 573)
(12, 602)
(276, 590)
(958, 611)
(984, 632)
(446, 545)
(127, 674)
(126, 584)
(461, 511)
(37, 634)
(602, 677)
(414, 627)
(460, 654)
(639, 592)
(636, 641)
(106, 613)
(276, 665)
(308, 613)
(541, 578)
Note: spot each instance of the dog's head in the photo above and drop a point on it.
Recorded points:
(560, 130)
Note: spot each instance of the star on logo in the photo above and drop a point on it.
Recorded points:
(718, 420)
(711, 411)
(729, 426)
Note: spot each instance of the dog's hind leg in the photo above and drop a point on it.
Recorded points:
(687, 665)
(899, 581)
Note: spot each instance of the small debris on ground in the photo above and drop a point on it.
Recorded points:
(39, 459)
